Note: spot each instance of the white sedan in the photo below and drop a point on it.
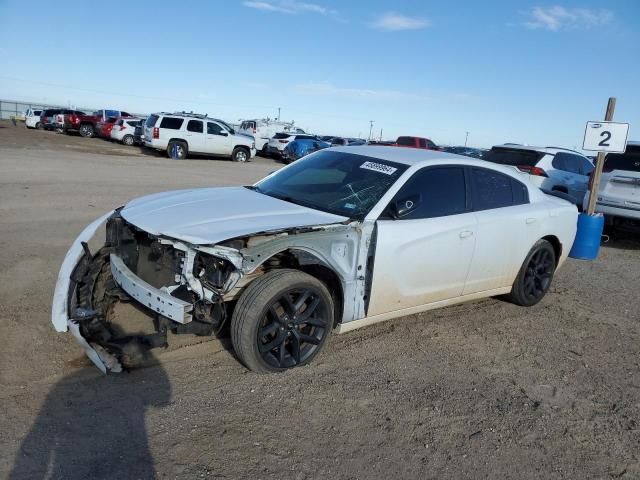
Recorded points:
(124, 130)
(341, 239)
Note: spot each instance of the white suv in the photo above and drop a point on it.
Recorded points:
(619, 192)
(180, 134)
(551, 168)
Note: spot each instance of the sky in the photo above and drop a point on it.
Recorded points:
(503, 71)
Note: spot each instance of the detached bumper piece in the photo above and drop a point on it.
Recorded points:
(153, 298)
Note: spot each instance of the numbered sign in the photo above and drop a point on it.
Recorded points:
(605, 137)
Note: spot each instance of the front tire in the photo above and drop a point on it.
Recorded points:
(535, 275)
(38, 126)
(281, 321)
(240, 154)
(177, 150)
(127, 140)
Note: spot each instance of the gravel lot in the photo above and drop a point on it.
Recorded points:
(482, 390)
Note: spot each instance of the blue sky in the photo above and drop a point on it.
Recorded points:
(529, 72)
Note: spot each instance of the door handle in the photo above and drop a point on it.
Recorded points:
(466, 234)
(530, 221)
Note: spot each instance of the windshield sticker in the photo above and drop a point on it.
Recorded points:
(379, 167)
(350, 206)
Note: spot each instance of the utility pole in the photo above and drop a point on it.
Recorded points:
(466, 137)
(278, 113)
(370, 128)
(597, 172)
(380, 134)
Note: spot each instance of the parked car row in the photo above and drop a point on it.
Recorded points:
(558, 170)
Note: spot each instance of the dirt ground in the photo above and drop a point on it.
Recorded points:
(481, 390)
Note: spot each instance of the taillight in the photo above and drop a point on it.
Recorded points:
(122, 127)
(156, 132)
(535, 171)
(254, 130)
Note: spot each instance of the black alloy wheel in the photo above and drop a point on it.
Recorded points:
(292, 328)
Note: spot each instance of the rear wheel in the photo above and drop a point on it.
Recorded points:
(282, 320)
(177, 150)
(38, 126)
(535, 275)
(265, 150)
(128, 140)
(87, 131)
(240, 154)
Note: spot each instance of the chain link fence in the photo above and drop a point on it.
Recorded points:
(12, 109)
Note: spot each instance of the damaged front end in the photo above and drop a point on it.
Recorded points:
(188, 288)
(181, 287)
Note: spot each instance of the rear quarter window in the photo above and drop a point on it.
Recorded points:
(282, 135)
(171, 123)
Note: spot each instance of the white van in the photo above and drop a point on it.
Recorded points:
(32, 117)
(263, 130)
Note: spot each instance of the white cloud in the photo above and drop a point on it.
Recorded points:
(330, 90)
(290, 7)
(393, 22)
(556, 18)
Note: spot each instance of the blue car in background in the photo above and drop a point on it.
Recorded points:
(299, 148)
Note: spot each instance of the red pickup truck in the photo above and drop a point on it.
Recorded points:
(416, 142)
(90, 125)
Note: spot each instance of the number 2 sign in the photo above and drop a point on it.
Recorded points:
(605, 137)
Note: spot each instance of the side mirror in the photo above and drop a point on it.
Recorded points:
(403, 206)
(223, 134)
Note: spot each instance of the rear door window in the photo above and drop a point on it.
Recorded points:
(493, 189)
(195, 126)
(171, 123)
(406, 141)
(513, 156)
(422, 142)
(441, 191)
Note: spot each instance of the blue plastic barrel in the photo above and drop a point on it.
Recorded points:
(587, 243)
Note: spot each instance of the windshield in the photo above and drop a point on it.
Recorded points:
(334, 182)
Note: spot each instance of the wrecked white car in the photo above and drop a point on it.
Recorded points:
(343, 238)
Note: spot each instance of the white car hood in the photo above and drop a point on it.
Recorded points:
(211, 215)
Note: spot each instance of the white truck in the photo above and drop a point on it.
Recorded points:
(263, 130)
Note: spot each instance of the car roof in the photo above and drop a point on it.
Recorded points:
(414, 156)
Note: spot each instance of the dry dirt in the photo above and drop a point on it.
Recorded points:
(482, 390)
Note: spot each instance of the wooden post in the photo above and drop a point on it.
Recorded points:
(597, 172)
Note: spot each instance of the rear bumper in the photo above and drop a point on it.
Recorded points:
(274, 151)
(613, 210)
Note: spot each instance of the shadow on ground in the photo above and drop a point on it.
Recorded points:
(93, 426)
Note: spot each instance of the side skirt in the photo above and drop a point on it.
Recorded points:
(364, 322)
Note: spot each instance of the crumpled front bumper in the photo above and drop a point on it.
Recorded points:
(65, 290)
